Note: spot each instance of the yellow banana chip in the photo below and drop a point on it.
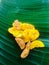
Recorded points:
(27, 26)
(11, 30)
(37, 43)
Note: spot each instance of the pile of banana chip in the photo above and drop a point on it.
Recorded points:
(26, 36)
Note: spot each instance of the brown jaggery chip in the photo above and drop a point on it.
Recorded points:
(17, 24)
(20, 42)
(28, 45)
(26, 51)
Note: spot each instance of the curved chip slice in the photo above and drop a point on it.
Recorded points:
(36, 43)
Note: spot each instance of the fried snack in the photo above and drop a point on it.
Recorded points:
(17, 24)
(27, 26)
(36, 44)
(26, 36)
(26, 51)
(20, 42)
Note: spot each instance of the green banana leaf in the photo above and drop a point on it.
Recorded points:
(32, 11)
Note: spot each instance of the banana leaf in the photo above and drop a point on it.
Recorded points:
(35, 12)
